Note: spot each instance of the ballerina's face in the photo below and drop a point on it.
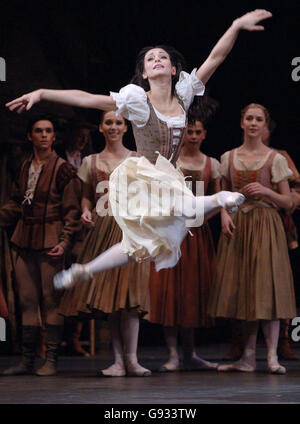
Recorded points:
(254, 122)
(195, 134)
(157, 63)
(113, 127)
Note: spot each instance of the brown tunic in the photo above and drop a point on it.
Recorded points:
(52, 217)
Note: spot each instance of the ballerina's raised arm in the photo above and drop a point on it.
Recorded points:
(223, 47)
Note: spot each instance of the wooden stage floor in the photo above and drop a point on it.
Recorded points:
(76, 383)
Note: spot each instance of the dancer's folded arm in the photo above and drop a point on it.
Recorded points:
(282, 198)
(223, 47)
(76, 98)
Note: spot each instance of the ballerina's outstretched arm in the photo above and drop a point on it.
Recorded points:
(76, 98)
(83, 99)
(223, 47)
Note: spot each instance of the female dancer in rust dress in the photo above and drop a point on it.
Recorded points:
(179, 295)
(253, 280)
(156, 105)
(120, 293)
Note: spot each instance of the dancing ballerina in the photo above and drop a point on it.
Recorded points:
(156, 103)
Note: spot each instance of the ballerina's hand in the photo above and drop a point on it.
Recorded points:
(255, 189)
(228, 226)
(86, 219)
(249, 20)
(24, 102)
(57, 251)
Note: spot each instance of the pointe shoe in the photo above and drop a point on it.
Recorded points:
(112, 371)
(133, 368)
(67, 279)
(229, 200)
(274, 367)
(234, 201)
(277, 369)
(236, 367)
(136, 370)
(169, 367)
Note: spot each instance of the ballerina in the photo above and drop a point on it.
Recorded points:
(121, 295)
(156, 106)
(253, 281)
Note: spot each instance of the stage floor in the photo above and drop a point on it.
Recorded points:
(76, 383)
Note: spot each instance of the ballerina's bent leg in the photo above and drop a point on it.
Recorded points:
(115, 257)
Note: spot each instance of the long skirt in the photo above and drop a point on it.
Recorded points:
(179, 295)
(253, 278)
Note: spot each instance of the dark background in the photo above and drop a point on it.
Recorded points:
(92, 46)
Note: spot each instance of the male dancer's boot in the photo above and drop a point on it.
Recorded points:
(53, 340)
(30, 337)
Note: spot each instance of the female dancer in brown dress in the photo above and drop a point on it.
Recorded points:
(253, 280)
(120, 293)
(179, 295)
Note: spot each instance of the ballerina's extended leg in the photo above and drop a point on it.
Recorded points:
(191, 206)
(115, 257)
(111, 258)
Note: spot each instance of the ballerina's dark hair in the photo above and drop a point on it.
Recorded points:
(202, 109)
(176, 58)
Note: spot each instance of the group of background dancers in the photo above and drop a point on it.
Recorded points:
(128, 267)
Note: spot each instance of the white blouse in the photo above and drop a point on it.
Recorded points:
(131, 101)
(280, 169)
(33, 176)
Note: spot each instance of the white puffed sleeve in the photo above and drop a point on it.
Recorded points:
(224, 169)
(189, 86)
(132, 104)
(280, 169)
(215, 169)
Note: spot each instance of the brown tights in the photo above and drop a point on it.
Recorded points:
(34, 275)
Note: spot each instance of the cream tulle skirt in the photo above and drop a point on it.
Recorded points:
(143, 198)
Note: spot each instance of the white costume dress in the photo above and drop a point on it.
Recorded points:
(143, 190)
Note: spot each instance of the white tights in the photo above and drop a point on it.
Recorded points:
(248, 360)
(190, 358)
(114, 257)
(124, 327)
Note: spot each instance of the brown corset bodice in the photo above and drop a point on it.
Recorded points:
(192, 176)
(262, 175)
(155, 137)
